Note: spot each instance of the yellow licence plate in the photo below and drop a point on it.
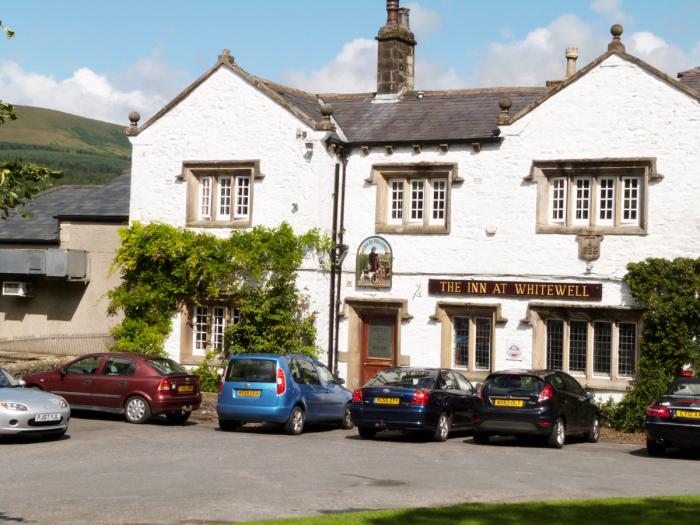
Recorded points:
(688, 414)
(185, 388)
(517, 403)
(386, 400)
(248, 393)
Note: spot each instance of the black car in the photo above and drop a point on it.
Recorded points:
(429, 400)
(546, 403)
(674, 419)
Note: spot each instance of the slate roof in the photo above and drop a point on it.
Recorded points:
(108, 203)
(436, 116)
(691, 78)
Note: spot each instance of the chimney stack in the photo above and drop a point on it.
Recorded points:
(571, 56)
(396, 50)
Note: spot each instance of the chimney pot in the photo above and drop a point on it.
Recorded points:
(571, 56)
(392, 12)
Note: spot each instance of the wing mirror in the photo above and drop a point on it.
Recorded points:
(339, 381)
(62, 371)
(22, 382)
(590, 396)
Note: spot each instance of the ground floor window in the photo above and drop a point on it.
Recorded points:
(209, 325)
(591, 347)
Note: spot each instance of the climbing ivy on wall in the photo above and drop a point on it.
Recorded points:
(669, 294)
(163, 267)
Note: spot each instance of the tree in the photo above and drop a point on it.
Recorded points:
(19, 181)
(163, 268)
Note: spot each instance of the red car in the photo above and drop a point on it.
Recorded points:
(135, 385)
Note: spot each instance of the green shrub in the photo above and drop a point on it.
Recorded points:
(209, 371)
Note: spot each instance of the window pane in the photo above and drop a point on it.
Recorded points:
(88, 365)
(252, 370)
(201, 315)
(119, 366)
(218, 327)
(627, 350)
(583, 200)
(578, 346)
(205, 198)
(242, 196)
(439, 200)
(555, 344)
(225, 197)
(630, 199)
(397, 200)
(606, 200)
(602, 347)
(482, 353)
(460, 341)
(417, 200)
(559, 200)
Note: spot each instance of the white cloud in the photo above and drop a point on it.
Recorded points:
(354, 69)
(423, 21)
(610, 9)
(657, 52)
(539, 56)
(90, 94)
(434, 76)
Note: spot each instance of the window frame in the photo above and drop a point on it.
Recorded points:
(207, 335)
(403, 181)
(593, 319)
(549, 174)
(238, 193)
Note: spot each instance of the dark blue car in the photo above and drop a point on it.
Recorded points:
(286, 389)
(430, 400)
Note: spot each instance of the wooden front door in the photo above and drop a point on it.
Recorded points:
(378, 344)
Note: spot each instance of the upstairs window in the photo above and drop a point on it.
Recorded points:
(413, 198)
(593, 196)
(220, 194)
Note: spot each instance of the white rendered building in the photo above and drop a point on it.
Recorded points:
(502, 219)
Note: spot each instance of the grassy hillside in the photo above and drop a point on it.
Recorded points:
(87, 151)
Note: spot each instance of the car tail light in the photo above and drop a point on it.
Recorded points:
(687, 373)
(546, 394)
(357, 395)
(420, 397)
(544, 424)
(281, 382)
(480, 391)
(658, 411)
(164, 385)
(222, 380)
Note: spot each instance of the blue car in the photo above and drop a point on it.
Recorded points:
(429, 400)
(286, 389)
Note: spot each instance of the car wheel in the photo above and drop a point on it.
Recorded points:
(295, 424)
(367, 432)
(346, 423)
(558, 436)
(655, 448)
(229, 425)
(442, 429)
(178, 417)
(593, 435)
(480, 438)
(136, 410)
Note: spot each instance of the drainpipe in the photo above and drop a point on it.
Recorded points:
(343, 250)
(332, 300)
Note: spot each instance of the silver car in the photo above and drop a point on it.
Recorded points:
(25, 411)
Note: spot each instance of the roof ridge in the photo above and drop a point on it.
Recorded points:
(276, 85)
(692, 70)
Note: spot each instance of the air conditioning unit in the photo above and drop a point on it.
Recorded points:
(16, 289)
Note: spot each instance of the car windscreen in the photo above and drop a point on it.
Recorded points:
(684, 389)
(513, 385)
(252, 370)
(6, 380)
(166, 366)
(405, 377)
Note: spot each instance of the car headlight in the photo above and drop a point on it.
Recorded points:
(17, 407)
(62, 403)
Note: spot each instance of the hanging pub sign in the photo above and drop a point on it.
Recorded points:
(373, 265)
(525, 289)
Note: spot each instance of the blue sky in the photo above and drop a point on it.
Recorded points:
(104, 58)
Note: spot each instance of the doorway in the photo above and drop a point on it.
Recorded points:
(378, 344)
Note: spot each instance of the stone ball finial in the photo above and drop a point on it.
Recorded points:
(134, 118)
(326, 109)
(505, 104)
(616, 30)
(226, 57)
